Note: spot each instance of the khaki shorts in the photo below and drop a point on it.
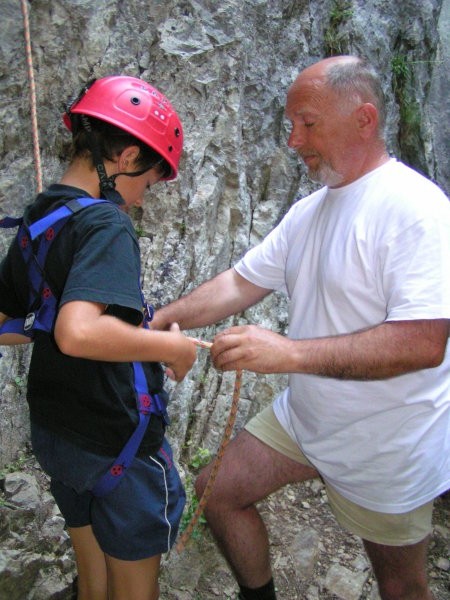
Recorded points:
(389, 529)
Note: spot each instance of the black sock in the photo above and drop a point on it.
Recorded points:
(265, 592)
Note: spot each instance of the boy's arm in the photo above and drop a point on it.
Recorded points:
(83, 330)
(11, 338)
(226, 294)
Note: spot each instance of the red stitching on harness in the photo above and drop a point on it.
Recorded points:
(49, 234)
(116, 470)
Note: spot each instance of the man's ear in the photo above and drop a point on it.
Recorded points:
(127, 158)
(367, 120)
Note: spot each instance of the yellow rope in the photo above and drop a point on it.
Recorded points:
(34, 124)
(217, 461)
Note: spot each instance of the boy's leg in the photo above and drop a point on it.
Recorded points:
(91, 565)
(137, 579)
(250, 471)
(400, 570)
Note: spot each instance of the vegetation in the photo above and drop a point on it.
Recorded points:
(336, 40)
(201, 458)
(17, 465)
(409, 135)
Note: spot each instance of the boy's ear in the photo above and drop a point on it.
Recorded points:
(127, 157)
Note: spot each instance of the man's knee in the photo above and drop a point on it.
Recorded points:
(202, 480)
(400, 571)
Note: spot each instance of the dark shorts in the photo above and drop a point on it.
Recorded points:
(136, 520)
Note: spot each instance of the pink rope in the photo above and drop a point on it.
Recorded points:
(226, 436)
(34, 124)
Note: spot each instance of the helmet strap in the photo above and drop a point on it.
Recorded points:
(107, 184)
(136, 173)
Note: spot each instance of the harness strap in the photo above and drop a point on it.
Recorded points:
(14, 326)
(42, 302)
(147, 404)
(66, 210)
(8, 222)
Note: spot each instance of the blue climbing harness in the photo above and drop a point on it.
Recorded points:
(42, 310)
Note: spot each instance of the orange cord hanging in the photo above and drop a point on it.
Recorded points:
(217, 461)
(34, 124)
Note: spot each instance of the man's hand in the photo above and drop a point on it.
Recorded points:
(251, 348)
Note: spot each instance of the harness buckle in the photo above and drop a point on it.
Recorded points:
(149, 311)
(29, 321)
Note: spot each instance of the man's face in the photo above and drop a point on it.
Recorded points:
(322, 131)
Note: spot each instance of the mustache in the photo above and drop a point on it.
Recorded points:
(304, 154)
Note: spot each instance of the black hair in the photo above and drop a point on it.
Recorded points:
(111, 141)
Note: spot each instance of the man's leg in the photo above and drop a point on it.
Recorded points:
(400, 570)
(250, 471)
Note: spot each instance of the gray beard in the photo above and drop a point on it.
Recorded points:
(326, 175)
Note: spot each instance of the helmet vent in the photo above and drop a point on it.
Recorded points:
(177, 132)
(170, 148)
(135, 100)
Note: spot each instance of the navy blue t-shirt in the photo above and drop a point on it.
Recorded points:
(95, 258)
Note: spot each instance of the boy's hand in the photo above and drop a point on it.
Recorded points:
(185, 355)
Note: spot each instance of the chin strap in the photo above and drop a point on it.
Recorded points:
(107, 184)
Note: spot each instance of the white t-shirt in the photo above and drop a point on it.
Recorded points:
(350, 258)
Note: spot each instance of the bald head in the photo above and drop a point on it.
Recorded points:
(351, 78)
(320, 69)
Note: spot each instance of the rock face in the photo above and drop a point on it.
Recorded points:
(226, 67)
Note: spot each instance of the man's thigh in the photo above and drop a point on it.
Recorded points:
(389, 529)
(253, 466)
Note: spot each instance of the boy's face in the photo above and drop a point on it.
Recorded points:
(132, 189)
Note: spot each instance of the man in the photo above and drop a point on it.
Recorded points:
(365, 263)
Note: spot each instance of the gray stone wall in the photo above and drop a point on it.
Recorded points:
(226, 67)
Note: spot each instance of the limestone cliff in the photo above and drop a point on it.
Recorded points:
(226, 67)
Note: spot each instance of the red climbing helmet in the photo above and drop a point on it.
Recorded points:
(136, 107)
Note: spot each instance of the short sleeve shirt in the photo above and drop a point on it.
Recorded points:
(352, 258)
(95, 258)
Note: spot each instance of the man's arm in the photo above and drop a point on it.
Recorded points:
(226, 294)
(387, 350)
(11, 339)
